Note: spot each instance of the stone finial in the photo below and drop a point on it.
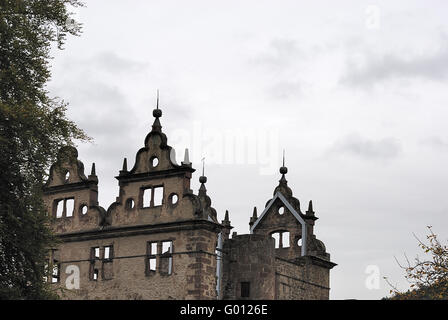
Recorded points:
(253, 218)
(226, 221)
(92, 175)
(202, 179)
(310, 211)
(226, 226)
(283, 169)
(186, 158)
(157, 113)
(125, 167)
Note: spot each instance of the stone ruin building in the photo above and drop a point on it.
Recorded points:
(160, 240)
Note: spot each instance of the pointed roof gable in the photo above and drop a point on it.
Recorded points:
(279, 195)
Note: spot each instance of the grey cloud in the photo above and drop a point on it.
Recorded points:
(101, 109)
(105, 61)
(436, 142)
(280, 54)
(285, 89)
(433, 66)
(112, 62)
(356, 145)
(281, 59)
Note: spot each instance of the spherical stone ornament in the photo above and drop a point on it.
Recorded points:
(283, 170)
(157, 113)
(202, 179)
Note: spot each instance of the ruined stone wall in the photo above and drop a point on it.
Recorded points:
(78, 221)
(121, 214)
(301, 280)
(126, 277)
(249, 258)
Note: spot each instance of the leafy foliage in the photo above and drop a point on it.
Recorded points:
(428, 278)
(33, 126)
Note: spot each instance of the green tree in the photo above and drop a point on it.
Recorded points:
(33, 126)
(428, 277)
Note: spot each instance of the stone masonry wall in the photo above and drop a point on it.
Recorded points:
(249, 258)
(193, 274)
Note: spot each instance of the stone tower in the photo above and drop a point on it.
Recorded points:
(281, 258)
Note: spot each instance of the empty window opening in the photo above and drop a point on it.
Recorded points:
(276, 236)
(245, 289)
(281, 239)
(167, 247)
(152, 197)
(147, 198)
(130, 203)
(108, 253)
(69, 206)
(154, 162)
(152, 260)
(60, 209)
(56, 272)
(95, 253)
(174, 198)
(84, 209)
(95, 274)
(285, 239)
(153, 248)
(152, 264)
(281, 210)
(158, 196)
(166, 261)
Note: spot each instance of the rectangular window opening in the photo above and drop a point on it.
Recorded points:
(96, 253)
(59, 208)
(152, 257)
(69, 206)
(285, 239)
(152, 264)
(108, 252)
(147, 198)
(245, 289)
(276, 236)
(166, 261)
(158, 196)
(95, 274)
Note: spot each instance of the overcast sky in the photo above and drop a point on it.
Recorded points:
(355, 92)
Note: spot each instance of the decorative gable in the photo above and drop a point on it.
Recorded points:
(272, 209)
